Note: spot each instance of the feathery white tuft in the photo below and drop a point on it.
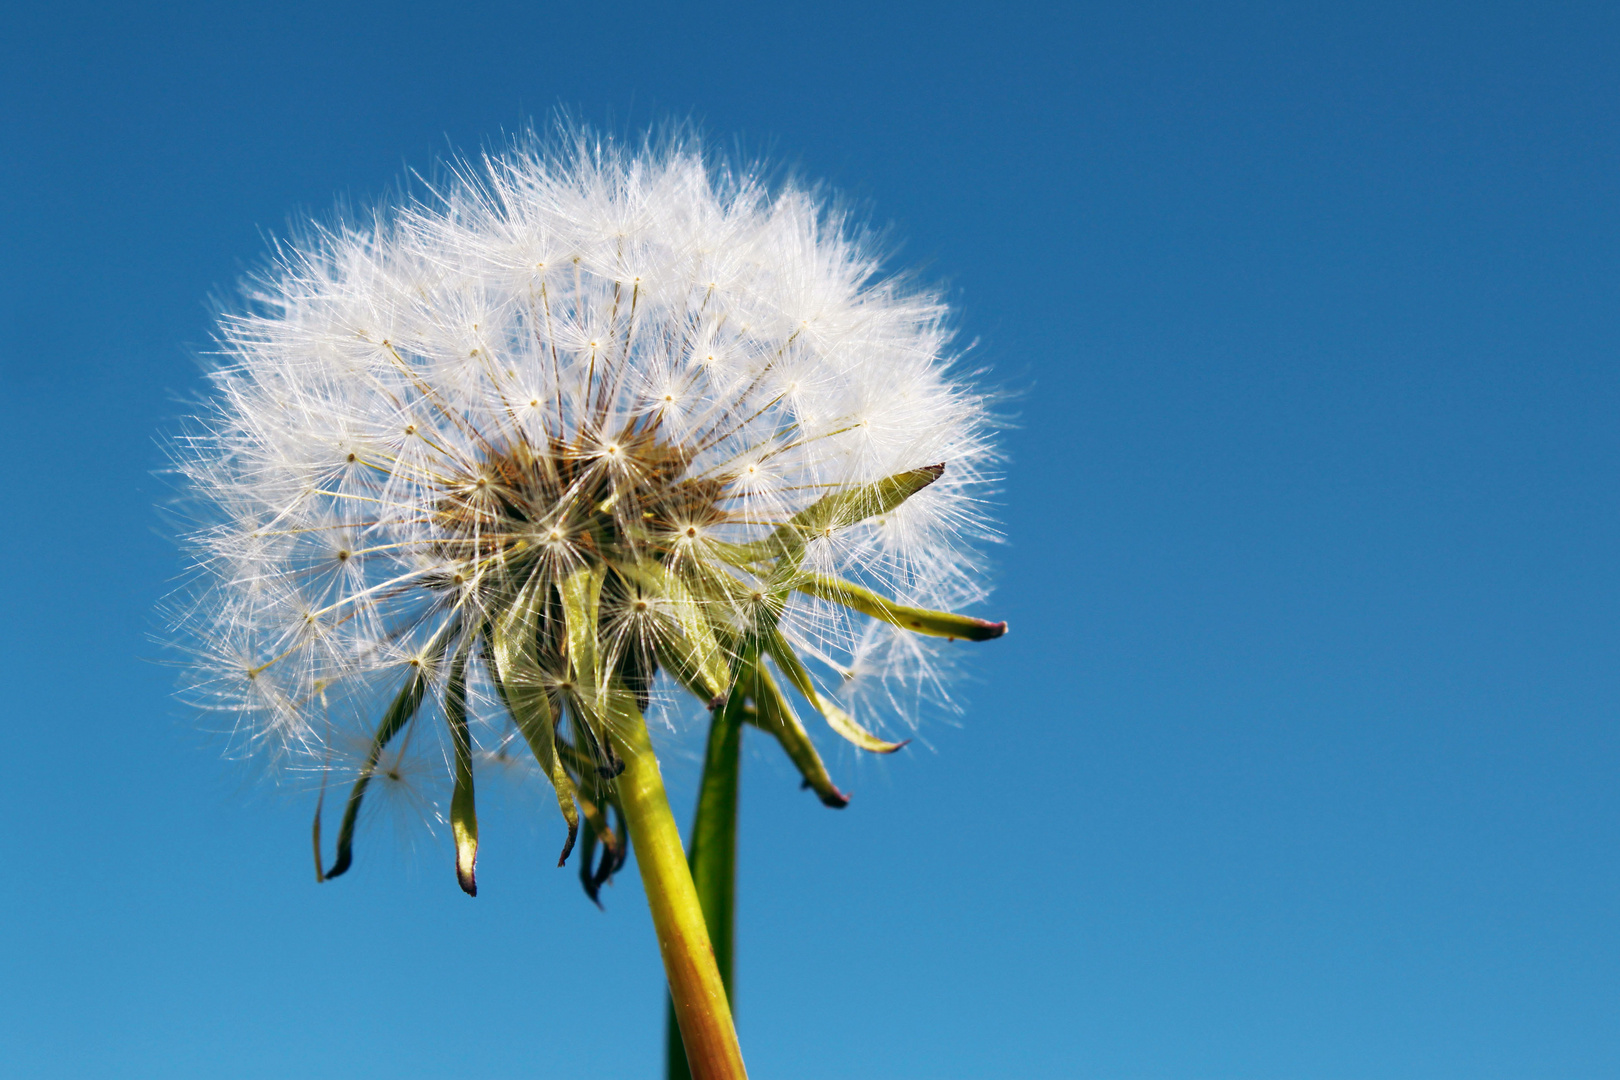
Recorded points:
(543, 348)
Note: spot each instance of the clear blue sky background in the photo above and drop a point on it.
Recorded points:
(1301, 759)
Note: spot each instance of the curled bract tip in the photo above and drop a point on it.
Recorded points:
(830, 796)
(568, 844)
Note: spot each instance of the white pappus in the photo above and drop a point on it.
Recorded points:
(579, 427)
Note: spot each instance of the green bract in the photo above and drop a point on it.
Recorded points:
(586, 642)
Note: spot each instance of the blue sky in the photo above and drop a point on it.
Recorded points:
(1301, 758)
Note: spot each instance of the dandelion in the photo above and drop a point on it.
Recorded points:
(580, 430)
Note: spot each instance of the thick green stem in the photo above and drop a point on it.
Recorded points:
(695, 986)
(713, 857)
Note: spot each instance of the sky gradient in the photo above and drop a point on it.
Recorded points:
(1300, 759)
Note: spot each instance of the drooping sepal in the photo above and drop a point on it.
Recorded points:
(522, 685)
(400, 712)
(918, 620)
(837, 719)
(585, 685)
(850, 506)
(581, 593)
(596, 800)
(595, 872)
(773, 714)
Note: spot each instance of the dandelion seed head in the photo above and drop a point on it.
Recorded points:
(569, 354)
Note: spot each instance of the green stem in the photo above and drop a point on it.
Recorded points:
(713, 857)
(695, 986)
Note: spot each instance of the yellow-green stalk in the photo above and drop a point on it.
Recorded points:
(696, 989)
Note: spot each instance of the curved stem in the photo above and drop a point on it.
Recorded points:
(695, 987)
(713, 857)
